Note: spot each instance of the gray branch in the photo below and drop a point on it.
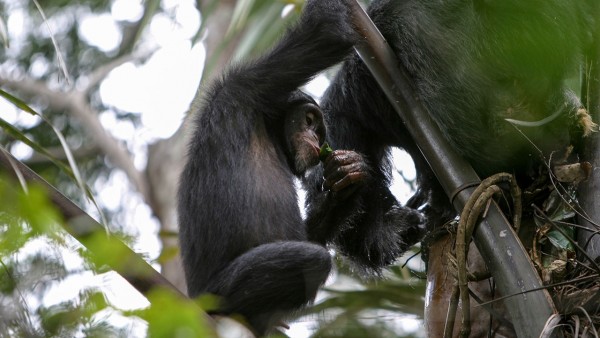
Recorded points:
(75, 103)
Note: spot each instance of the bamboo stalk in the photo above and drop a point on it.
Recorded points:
(502, 251)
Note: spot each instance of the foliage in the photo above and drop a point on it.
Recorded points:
(172, 316)
(375, 307)
(35, 261)
(34, 55)
(32, 266)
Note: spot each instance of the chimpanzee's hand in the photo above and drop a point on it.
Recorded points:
(333, 18)
(345, 171)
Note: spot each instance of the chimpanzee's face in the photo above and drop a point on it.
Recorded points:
(304, 132)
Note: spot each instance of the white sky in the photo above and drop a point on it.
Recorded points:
(162, 88)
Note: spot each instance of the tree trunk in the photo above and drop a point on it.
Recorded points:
(440, 284)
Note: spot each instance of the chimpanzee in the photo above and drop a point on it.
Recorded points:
(241, 232)
(473, 63)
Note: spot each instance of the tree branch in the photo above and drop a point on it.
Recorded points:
(81, 226)
(75, 103)
(99, 74)
(504, 255)
(59, 154)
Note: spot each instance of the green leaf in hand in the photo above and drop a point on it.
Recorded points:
(325, 151)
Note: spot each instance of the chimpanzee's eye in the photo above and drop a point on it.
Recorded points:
(310, 118)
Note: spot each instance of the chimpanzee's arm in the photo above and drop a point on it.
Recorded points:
(370, 226)
(321, 38)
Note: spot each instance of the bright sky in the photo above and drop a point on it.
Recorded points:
(162, 88)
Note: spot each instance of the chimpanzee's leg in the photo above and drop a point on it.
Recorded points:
(271, 279)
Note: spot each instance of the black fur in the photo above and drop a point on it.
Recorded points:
(473, 63)
(241, 233)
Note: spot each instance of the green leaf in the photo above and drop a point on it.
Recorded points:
(72, 171)
(240, 15)
(173, 316)
(325, 151)
(168, 254)
(37, 209)
(18, 103)
(559, 241)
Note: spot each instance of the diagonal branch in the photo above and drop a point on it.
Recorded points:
(505, 256)
(75, 103)
(86, 230)
(99, 74)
